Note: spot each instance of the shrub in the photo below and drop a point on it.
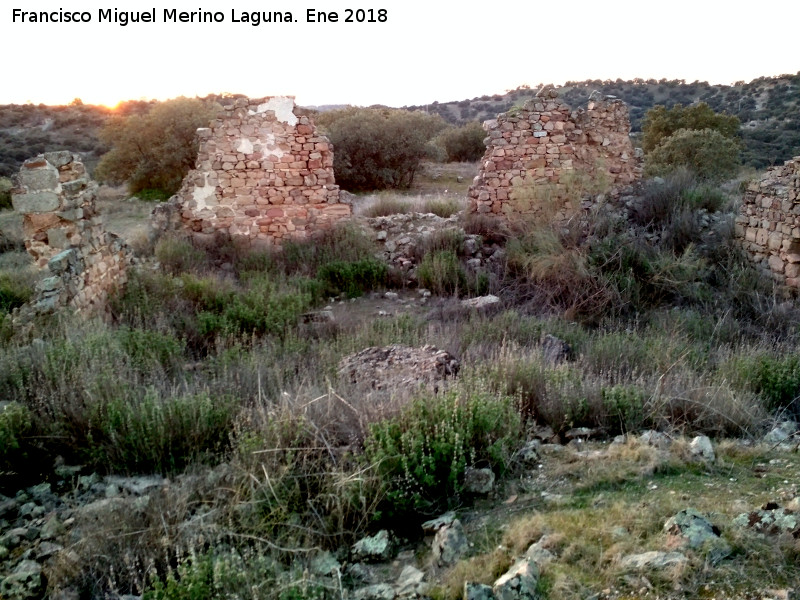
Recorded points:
(463, 144)
(708, 153)
(661, 123)
(378, 148)
(388, 205)
(178, 255)
(352, 278)
(153, 151)
(161, 434)
(441, 272)
(5, 193)
(775, 378)
(421, 454)
(15, 425)
(15, 291)
(624, 405)
(441, 207)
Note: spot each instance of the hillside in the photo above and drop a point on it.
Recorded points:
(769, 108)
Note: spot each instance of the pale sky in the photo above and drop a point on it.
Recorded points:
(425, 51)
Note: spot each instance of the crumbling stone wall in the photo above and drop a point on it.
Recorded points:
(263, 174)
(769, 222)
(534, 155)
(63, 232)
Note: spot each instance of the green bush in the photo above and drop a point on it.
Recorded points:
(352, 278)
(378, 148)
(441, 207)
(5, 193)
(14, 291)
(661, 123)
(15, 424)
(159, 434)
(625, 406)
(775, 378)
(463, 144)
(384, 206)
(148, 349)
(178, 255)
(707, 153)
(156, 150)
(441, 273)
(420, 455)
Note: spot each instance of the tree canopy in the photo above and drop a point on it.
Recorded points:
(660, 123)
(156, 150)
(378, 148)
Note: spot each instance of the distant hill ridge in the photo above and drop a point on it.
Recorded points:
(768, 107)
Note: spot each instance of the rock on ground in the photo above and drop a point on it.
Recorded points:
(399, 366)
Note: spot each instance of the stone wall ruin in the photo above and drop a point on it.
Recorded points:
(769, 222)
(63, 232)
(263, 174)
(535, 154)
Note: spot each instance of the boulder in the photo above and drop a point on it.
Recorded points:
(519, 582)
(653, 560)
(376, 548)
(449, 544)
(689, 528)
(477, 591)
(701, 449)
(478, 481)
(24, 583)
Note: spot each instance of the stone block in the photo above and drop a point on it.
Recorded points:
(35, 202)
(59, 158)
(40, 178)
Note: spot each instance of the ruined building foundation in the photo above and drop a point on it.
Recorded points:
(263, 174)
(769, 222)
(63, 232)
(534, 155)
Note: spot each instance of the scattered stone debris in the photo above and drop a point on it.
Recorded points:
(691, 529)
(396, 366)
(771, 519)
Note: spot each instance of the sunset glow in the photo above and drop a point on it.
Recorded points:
(422, 52)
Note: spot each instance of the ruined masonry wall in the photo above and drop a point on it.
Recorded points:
(63, 232)
(544, 141)
(769, 222)
(263, 174)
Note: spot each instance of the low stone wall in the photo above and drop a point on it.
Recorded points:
(537, 155)
(63, 232)
(769, 222)
(263, 174)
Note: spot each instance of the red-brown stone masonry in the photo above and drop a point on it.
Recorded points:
(768, 223)
(544, 140)
(263, 174)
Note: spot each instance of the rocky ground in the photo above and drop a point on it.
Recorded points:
(655, 515)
